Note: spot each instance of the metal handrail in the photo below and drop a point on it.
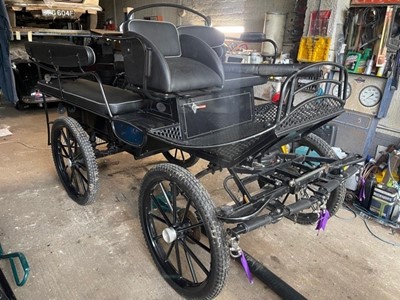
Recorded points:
(290, 89)
(83, 73)
(207, 19)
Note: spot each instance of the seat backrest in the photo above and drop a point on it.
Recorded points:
(61, 54)
(163, 34)
(175, 63)
(210, 35)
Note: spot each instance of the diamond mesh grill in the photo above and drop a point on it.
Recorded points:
(265, 113)
(169, 132)
(309, 112)
(233, 151)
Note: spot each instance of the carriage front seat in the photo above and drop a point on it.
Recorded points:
(157, 58)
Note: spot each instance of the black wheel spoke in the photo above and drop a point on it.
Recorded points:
(183, 156)
(161, 210)
(81, 175)
(171, 247)
(166, 196)
(157, 218)
(180, 157)
(196, 259)
(186, 210)
(72, 176)
(81, 165)
(74, 180)
(64, 136)
(68, 142)
(190, 264)
(78, 154)
(62, 149)
(173, 200)
(190, 227)
(178, 259)
(199, 243)
(82, 180)
(78, 186)
(63, 155)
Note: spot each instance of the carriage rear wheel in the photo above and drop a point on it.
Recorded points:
(74, 159)
(181, 158)
(185, 238)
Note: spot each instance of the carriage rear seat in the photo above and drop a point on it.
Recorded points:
(216, 39)
(79, 92)
(87, 95)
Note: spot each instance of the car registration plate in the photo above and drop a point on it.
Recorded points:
(58, 13)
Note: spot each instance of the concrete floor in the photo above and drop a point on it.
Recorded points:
(98, 251)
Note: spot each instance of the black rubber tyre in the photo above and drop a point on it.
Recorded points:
(181, 158)
(74, 159)
(196, 260)
(316, 144)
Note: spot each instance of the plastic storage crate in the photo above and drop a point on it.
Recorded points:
(314, 49)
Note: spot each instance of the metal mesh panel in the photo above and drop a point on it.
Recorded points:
(309, 112)
(233, 151)
(169, 132)
(265, 113)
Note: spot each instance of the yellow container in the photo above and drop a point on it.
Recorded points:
(314, 49)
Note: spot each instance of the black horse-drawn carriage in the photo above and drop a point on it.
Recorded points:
(180, 97)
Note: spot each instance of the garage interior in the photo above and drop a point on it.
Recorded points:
(98, 251)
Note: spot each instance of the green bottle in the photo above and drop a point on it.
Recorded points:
(363, 60)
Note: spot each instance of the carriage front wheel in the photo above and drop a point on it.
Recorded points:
(185, 238)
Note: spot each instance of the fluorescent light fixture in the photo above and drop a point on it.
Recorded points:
(230, 29)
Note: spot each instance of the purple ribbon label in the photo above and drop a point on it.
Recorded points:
(323, 219)
(246, 268)
(361, 193)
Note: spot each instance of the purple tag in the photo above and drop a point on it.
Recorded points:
(323, 219)
(246, 268)
(361, 193)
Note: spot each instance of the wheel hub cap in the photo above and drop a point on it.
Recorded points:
(169, 235)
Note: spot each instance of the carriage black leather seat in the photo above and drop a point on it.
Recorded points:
(176, 63)
(210, 35)
(81, 92)
(216, 39)
(87, 94)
